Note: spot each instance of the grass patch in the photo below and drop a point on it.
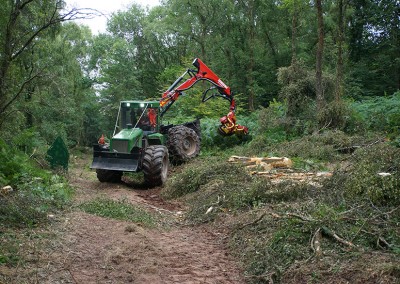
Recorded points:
(120, 210)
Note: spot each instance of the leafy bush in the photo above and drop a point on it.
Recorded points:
(33, 199)
(297, 89)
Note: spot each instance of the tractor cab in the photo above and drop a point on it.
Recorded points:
(138, 114)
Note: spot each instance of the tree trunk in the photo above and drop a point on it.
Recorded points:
(320, 49)
(339, 67)
(6, 57)
(250, 78)
(294, 33)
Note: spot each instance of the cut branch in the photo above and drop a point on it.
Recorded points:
(253, 222)
(316, 243)
(334, 236)
(303, 218)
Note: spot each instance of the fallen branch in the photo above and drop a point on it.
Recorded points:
(316, 243)
(303, 218)
(253, 222)
(33, 153)
(384, 243)
(259, 219)
(334, 236)
(365, 146)
(380, 241)
(350, 210)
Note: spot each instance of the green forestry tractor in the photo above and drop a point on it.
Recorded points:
(140, 141)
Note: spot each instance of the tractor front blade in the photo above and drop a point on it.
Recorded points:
(115, 161)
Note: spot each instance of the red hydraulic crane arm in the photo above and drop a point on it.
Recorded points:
(228, 122)
(202, 73)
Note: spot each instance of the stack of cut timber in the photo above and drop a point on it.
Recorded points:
(264, 163)
(276, 168)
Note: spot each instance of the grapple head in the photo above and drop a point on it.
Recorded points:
(229, 126)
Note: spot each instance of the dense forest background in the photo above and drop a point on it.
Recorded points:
(316, 59)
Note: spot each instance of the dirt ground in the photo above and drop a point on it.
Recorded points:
(83, 248)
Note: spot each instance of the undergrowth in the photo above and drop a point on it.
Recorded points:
(28, 195)
(380, 114)
(273, 226)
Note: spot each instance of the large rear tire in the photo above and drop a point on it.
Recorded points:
(183, 143)
(155, 165)
(108, 175)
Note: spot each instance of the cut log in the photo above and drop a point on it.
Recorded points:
(267, 162)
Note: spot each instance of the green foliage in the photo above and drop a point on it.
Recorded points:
(363, 179)
(30, 204)
(247, 44)
(196, 175)
(373, 48)
(9, 250)
(120, 210)
(298, 90)
(268, 128)
(380, 114)
(35, 193)
(271, 246)
(309, 152)
(215, 183)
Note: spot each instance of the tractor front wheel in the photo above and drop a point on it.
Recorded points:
(108, 175)
(155, 165)
(183, 143)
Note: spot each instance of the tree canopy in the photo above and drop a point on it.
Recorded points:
(57, 78)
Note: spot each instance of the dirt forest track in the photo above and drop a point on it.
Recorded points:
(92, 249)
